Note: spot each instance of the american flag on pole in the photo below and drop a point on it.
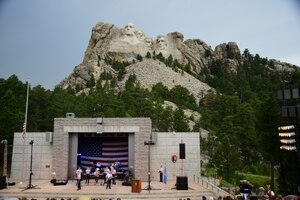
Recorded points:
(103, 151)
(23, 131)
(25, 122)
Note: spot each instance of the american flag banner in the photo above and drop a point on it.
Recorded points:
(23, 131)
(104, 151)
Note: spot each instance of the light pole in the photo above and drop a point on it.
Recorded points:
(149, 143)
(292, 143)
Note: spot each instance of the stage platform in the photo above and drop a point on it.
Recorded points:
(46, 190)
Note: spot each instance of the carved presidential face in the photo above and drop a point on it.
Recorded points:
(129, 29)
(140, 35)
(149, 42)
(162, 42)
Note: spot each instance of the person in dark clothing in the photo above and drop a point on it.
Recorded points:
(245, 189)
(161, 172)
(108, 180)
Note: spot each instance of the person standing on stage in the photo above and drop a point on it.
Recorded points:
(97, 175)
(161, 172)
(88, 173)
(78, 178)
(114, 173)
(108, 180)
(106, 171)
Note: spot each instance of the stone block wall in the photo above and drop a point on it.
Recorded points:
(41, 156)
(167, 145)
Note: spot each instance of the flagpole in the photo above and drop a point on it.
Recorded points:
(26, 110)
(24, 129)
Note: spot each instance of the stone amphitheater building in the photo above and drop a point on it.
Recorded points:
(57, 153)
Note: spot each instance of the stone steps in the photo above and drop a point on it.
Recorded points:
(177, 196)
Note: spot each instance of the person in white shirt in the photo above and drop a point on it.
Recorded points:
(108, 180)
(97, 175)
(87, 173)
(78, 178)
(114, 173)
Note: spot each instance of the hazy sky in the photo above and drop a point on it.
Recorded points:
(43, 40)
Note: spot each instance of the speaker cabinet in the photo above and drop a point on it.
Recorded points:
(181, 183)
(3, 182)
(181, 151)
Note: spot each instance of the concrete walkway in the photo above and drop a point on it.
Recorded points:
(45, 190)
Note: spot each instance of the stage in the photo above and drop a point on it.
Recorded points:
(45, 190)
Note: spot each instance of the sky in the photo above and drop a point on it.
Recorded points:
(41, 41)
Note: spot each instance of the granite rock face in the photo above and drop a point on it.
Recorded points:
(150, 72)
(108, 41)
(127, 44)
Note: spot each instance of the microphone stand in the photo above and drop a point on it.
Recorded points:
(30, 186)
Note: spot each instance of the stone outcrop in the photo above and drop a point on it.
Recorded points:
(281, 66)
(230, 50)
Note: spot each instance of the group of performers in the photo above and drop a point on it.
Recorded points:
(109, 174)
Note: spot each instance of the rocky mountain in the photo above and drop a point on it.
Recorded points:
(128, 44)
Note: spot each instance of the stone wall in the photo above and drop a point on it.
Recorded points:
(167, 145)
(41, 156)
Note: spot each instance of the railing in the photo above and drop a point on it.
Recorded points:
(214, 189)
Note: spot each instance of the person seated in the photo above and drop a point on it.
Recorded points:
(117, 164)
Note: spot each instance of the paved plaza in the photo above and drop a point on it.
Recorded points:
(45, 190)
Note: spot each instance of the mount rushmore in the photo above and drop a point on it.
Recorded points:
(126, 44)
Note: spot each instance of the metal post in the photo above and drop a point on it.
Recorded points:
(181, 168)
(148, 143)
(149, 186)
(4, 142)
(30, 175)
